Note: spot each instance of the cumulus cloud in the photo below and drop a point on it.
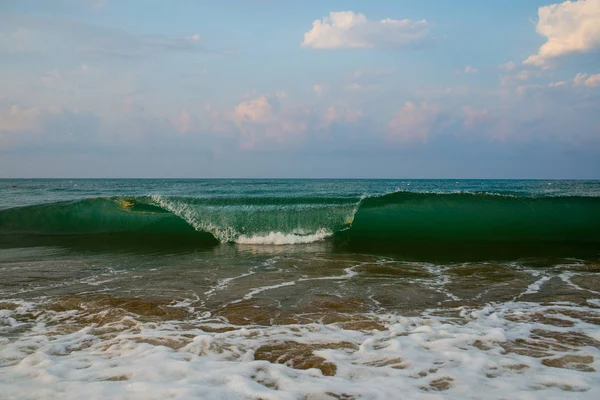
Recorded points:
(587, 80)
(262, 122)
(470, 70)
(581, 80)
(347, 29)
(570, 27)
(413, 122)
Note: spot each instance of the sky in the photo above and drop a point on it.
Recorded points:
(300, 89)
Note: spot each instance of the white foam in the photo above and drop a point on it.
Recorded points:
(349, 273)
(409, 359)
(226, 232)
(265, 288)
(566, 278)
(537, 285)
(280, 238)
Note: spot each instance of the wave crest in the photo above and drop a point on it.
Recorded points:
(280, 238)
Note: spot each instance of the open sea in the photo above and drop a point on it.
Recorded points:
(299, 289)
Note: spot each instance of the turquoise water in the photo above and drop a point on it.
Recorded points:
(38, 191)
(417, 218)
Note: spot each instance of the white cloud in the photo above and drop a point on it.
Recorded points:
(593, 81)
(557, 84)
(263, 123)
(413, 123)
(587, 80)
(347, 29)
(570, 27)
(470, 70)
(254, 110)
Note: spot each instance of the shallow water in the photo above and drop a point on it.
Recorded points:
(92, 316)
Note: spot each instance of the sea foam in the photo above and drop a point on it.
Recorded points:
(479, 353)
(280, 238)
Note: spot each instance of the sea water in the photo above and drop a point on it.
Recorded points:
(299, 289)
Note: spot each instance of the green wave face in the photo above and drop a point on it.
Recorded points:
(412, 224)
(436, 224)
(88, 217)
(97, 222)
(276, 220)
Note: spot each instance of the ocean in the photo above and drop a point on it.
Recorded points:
(299, 289)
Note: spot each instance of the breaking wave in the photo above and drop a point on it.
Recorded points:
(401, 220)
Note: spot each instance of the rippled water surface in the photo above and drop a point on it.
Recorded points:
(90, 308)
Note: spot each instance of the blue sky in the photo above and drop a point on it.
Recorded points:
(273, 88)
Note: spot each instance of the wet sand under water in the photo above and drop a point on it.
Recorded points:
(242, 322)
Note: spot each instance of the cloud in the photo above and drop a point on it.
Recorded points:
(580, 79)
(347, 29)
(474, 117)
(570, 27)
(184, 122)
(319, 89)
(413, 123)
(587, 80)
(558, 84)
(509, 66)
(343, 115)
(519, 76)
(470, 70)
(264, 123)
(36, 127)
(19, 119)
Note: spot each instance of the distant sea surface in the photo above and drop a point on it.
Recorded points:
(299, 289)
